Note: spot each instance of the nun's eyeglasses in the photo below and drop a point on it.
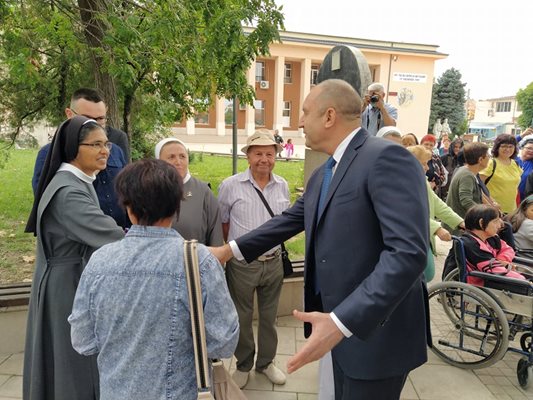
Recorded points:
(99, 145)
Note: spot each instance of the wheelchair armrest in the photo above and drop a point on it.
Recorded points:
(500, 279)
(523, 260)
(524, 269)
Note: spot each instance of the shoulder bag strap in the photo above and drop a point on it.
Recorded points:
(493, 170)
(194, 288)
(265, 202)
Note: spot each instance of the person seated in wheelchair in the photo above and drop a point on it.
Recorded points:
(521, 220)
(484, 250)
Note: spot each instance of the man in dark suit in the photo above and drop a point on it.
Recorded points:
(365, 214)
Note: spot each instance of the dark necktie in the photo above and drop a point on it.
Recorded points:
(328, 173)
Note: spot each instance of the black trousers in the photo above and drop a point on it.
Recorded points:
(347, 388)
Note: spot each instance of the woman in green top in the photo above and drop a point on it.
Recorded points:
(438, 210)
(502, 175)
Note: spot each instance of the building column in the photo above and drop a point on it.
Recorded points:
(249, 122)
(279, 75)
(190, 126)
(220, 124)
(305, 85)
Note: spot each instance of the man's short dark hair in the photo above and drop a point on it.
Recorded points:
(473, 151)
(152, 189)
(480, 212)
(92, 95)
(504, 138)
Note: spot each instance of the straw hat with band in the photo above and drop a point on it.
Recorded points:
(261, 137)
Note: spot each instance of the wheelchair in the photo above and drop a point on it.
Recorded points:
(475, 326)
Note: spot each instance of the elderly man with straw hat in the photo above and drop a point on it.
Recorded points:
(242, 205)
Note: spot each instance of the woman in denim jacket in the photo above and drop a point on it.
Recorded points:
(131, 306)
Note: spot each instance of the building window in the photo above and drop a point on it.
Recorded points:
(288, 73)
(202, 114)
(228, 111)
(490, 113)
(202, 118)
(503, 106)
(287, 109)
(259, 106)
(260, 71)
(314, 74)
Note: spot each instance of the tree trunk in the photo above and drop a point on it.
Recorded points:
(126, 115)
(94, 33)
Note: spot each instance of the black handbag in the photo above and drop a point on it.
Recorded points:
(287, 263)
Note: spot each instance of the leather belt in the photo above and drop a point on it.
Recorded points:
(268, 257)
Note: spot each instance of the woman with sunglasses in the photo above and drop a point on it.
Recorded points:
(502, 175)
(69, 226)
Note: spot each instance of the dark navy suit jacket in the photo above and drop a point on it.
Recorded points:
(369, 249)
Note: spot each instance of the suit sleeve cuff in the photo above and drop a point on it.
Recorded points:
(339, 324)
(235, 250)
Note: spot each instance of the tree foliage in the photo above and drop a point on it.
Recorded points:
(448, 101)
(155, 61)
(524, 97)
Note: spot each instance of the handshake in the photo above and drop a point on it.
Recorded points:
(222, 253)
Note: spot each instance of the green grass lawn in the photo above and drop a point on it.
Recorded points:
(16, 197)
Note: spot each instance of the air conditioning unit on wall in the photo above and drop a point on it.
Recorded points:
(264, 85)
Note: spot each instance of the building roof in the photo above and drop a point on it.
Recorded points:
(368, 44)
(501, 98)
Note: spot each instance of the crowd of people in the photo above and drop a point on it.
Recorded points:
(109, 313)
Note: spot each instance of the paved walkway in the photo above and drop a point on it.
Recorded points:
(433, 381)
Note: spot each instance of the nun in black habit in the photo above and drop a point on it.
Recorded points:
(69, 226)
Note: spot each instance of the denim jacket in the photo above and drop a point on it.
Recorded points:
(132, 308)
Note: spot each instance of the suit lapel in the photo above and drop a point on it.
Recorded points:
(313, 193)
(349, 155)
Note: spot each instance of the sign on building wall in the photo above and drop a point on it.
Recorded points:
(409, 77)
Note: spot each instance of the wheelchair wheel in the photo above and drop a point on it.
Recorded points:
(525, 341)
(523, 372)
(468, 327)
(452, 276)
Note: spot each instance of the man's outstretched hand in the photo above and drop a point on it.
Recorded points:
(324, 337)
(222, 253)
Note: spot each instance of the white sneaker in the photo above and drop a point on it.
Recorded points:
(240, 378)
(274, 374)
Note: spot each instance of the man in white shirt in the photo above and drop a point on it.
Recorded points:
(242, 210)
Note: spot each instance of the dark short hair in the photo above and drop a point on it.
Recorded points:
(480, 212)
(92, 95)
(413, 135)
(152, 189)
(473, 151)
(504, 138)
